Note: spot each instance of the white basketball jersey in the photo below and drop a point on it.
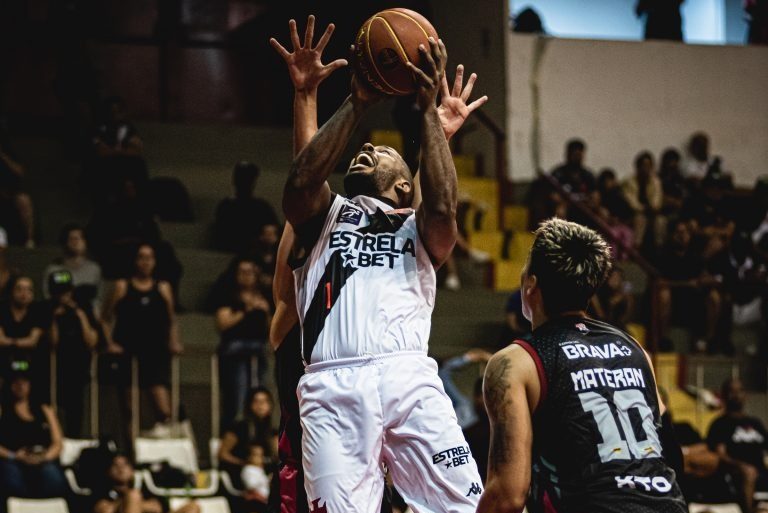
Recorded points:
(367, 286)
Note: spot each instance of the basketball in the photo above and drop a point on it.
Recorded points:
(385, 43)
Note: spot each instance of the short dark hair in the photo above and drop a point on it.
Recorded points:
(245, 170)
(66, 230)
(574, 144)
(570, 262)
(642, 156)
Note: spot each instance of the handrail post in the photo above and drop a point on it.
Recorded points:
(94, 395)
(215, 408)
(53, 386)
(135, 406)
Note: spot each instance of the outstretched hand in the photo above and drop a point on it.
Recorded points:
(453, 109)
(305, 64)
(430, 73)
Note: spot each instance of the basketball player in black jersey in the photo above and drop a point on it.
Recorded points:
(575, 414)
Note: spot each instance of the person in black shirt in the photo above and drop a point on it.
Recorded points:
(243, 323)
(22, 325)
(741, 441)
(73, 335)
(140, 322)
(255, 428)
(572, 174)
(688, 293)
(239, 219)
(673, 183)
(574, 410)
(120, 496)
(30, 444)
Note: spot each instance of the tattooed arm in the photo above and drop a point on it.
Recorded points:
(511, 391)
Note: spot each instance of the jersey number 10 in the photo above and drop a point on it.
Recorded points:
(613, 446)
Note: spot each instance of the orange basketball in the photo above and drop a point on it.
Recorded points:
(385, 43)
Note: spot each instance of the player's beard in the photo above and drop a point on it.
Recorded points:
(366, 184)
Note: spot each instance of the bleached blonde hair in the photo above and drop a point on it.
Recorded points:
(570, 262)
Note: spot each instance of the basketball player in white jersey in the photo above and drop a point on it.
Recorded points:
(365, 286)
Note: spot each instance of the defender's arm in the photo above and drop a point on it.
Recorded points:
(511, 391)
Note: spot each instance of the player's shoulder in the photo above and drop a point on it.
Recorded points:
(511, 362)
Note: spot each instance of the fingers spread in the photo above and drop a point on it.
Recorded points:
(279, 48)
(468, 90)
(421, 77)
(428, 64)
(309, 34)
(333, 66)
(444, 87)
(294, 35)
(325, 38)
(458, 81)
(477, 103)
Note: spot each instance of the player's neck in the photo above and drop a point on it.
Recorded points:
(540, 318)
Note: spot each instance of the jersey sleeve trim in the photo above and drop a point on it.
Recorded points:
(539, 368)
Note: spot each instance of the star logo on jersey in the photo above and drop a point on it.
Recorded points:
(316, 508)
(582, 327)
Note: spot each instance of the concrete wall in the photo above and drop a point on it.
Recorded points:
(623, 97)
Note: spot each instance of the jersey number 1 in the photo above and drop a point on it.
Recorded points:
(614, 447)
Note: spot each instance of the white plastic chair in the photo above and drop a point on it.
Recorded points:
(207, 504)
(213, 447)
(71, 449)
(16, 505)
(179, 452)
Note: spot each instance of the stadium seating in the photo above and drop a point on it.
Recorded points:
(16, 505)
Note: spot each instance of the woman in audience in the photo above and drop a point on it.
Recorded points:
(140, 322)
(255, 429)
(243, 320)
(119, 495)
(30, 444)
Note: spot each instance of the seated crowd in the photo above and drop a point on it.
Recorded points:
(707, 239)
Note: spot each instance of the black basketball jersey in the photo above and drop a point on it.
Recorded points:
(596, 429)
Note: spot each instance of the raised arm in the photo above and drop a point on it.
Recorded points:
(307, 71)
(453, 112)
(436, 217)
(306, 192)
(511, 392)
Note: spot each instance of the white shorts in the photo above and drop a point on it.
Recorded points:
(390, 409)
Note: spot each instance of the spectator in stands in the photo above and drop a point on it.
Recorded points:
(22, 325)
(255, 480)
(662, 19)
(515, 324)
(699, 160)
(8, 274)
(471, 414)
(140, 322)
(73, 335)
(528, 21)
(613, 302)
(120, 496)
(757, 11)
(266, 253)
(242, 321)
(116, 154)
(688, 293)
(117, 228)
(709, 216)
(612, 196)
(86, 274)
(703, 477)
(254, 429)
(239, 220)
(574, 177)
(673, 183)
(741, 441)
(16, 208)
(644, 194)
(30, 444)
(115, 134)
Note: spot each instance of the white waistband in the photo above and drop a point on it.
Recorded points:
(359, 361)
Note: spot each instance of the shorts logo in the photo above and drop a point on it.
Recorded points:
(474, 490)
(316, 508)
(453, 457)
(349, 215)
